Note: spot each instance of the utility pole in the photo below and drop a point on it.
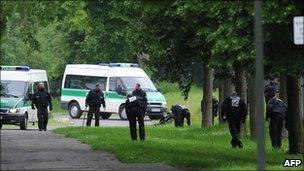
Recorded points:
(259, 85)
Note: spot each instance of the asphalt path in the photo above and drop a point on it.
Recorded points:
(113, 121)
(35, 150)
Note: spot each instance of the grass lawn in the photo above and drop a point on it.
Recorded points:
(188, 147)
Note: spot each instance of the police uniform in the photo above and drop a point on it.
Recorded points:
(179, 114)
(41, 100)
(95, 99)
(143, 95)
(276, 111)
(234, 110)
(135, 110)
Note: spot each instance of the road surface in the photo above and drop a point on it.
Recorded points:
(114, 121)
(34, 150)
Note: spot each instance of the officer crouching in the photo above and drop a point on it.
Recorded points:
(136, 105)
(234, 110)
(95, 99)
(41, 100)
(276, 111)
(179, 114)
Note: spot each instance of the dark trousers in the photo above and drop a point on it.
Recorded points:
(180, 121)
(275, 131)
(234, 128)
(132, 117)
(96, 111)
(43, 117)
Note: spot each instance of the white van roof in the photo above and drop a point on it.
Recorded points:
(104, 70)
(23, 75)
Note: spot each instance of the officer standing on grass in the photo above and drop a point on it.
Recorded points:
(276, 111)
(94, 100)
(136, 105)
(234, 110)
(41, 100)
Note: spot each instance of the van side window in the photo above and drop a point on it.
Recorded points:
(90, 82)
(74, 82)
(84, 82)
(112, 83)
(115, 84)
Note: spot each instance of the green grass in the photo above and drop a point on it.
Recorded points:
(188, 147)
(193, 103)
(56, 106)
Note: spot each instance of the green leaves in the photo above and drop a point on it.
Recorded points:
(175, 35)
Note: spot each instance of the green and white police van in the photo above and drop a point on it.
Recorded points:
(17, 86)
(117, 80)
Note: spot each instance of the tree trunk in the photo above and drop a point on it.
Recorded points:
(283, 88)
(251, 107)
(283, 96)
(228, 88)
(207, 96)
(221, 99)
(241, 89)
(295, 122)
(225, 91)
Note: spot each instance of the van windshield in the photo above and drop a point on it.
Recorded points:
(13, 88)
(145, 82)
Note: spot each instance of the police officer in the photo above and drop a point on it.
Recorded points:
(179, 114)
(94, 100)
(139, 92)
(41, 100)
(136, 106)
(234, 110)
(270, 90)
(276, 111)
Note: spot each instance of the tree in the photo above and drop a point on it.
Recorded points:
(207, 97)
(285, 58)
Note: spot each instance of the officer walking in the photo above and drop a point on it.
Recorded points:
(136, 106)
(234, 110)
(94, 100)
(41, 100)
(276, 111)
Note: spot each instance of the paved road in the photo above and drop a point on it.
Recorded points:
(114, 121)
(31, 149)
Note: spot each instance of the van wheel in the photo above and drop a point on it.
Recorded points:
(23, 122)
(74, 110)
(105, 115)
(122, 112)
